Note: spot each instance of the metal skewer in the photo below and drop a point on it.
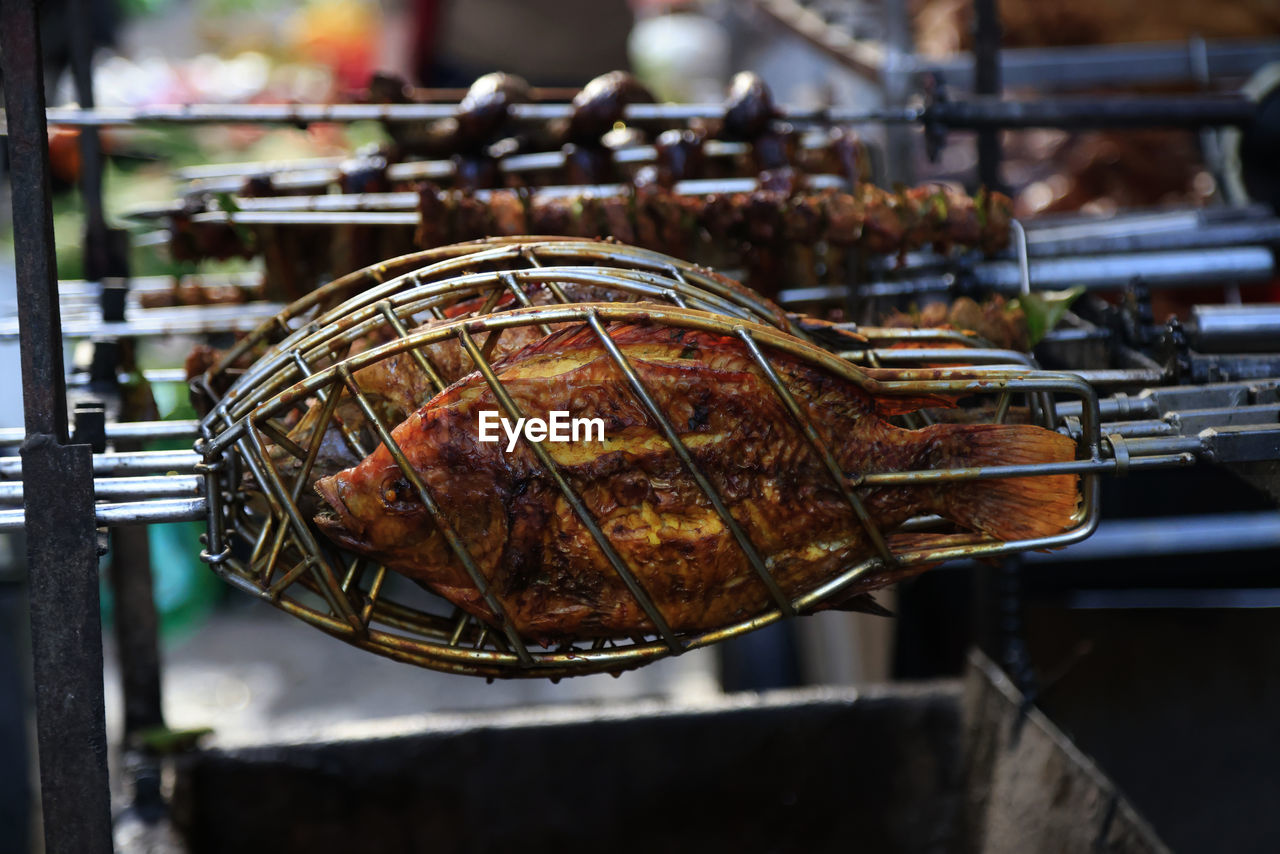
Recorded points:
(309, 113)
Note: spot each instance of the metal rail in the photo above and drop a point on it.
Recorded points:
(118, 464)
(131, 431)
(974, 113)
(152, 322)
(1241, 264)
(115, 514)
(293, 114)
(317, 172)
(251, 209)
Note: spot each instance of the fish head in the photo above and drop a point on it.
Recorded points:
(376, 508)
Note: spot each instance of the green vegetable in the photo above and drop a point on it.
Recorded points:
(165, 741)
(1043, 310)
(228, 205)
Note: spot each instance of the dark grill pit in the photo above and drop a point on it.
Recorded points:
(944, 766)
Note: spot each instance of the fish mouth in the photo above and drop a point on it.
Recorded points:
(340, 526)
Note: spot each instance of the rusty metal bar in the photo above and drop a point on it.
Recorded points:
(62, 544)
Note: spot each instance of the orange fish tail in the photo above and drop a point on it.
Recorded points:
(1006, 508)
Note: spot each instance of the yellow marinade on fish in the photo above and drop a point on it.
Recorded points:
(541, 561)
(396, 386)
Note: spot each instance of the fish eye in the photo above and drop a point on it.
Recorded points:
(398, 494)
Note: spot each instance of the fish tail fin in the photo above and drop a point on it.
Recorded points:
(1007, 508)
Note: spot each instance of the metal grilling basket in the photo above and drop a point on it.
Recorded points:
(261, 541)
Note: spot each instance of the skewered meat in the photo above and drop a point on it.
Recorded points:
(749, 109)
(764, 221)
(679, 157)
(481, 117)
(192, 293)
(994, 320)
(477, 171)
(601, 104)
(483, 112)
(588, 164)
(545, 568)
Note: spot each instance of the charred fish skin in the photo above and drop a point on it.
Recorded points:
(541, 561)
(397, 385)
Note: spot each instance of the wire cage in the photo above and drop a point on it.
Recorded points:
(411, 277)
(433, 281)
(261, 541)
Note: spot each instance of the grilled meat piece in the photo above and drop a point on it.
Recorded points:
(679, 156)
(506, 209)
(476, 171)
(749, 109)
(995, 320)
(875, 219)
(588, 164)
(542, 563)
(601, 104)
(483, 112)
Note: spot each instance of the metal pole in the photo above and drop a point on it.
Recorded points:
(62, 543)
(986, 81)
(96, 257)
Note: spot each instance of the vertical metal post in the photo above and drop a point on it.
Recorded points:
(136, 622)
(62, 548)
(96, 254)
(986, 81)
(896, 81)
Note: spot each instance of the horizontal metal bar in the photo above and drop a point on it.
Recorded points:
(1235, 328)
(90, 289)
(1175, 535)
(1212, 266)
(177, 320)
(251, 209)
(980, 112)
(308, 113)
(117, 463)
(124, 431)
(1168, 598)
(1122, 377)
(1138, 429)
(893, 357)
(1154, 269)
(151, 375)
(1119, 407)
(1048, 68)
(1197, 235)
(127, 513)
(930, 476)
(316, 172)
(122, 488)
(1149, 445)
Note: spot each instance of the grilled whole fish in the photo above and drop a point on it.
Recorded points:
(542, 563)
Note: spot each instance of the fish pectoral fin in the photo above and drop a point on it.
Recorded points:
(863, 603)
